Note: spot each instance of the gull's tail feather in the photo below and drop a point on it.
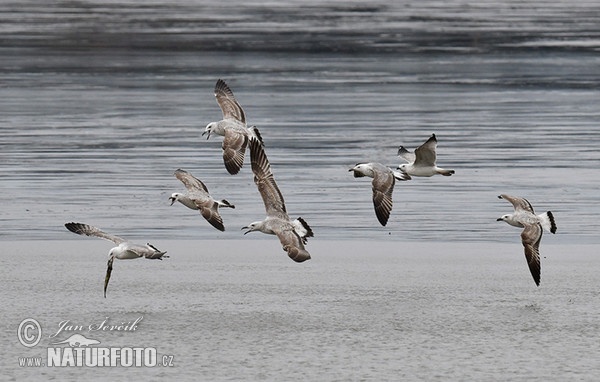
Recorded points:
(303, 229)
(157, 255)
(225, 203)
(547, 221)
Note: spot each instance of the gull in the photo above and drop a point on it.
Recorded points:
(533, 226)
(123, 251)
(422, 161)
(232, 127)
(198, 198)
(384, 179)
(292, 234)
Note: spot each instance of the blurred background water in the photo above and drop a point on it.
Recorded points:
(102, 101)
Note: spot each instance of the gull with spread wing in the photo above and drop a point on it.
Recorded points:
(533, 226)
(422, 161)
(292, 234)
(123, 251)
(232, 127)
(198, 198)
(384, 179)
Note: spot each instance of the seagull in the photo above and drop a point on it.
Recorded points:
(384, 179)
(533, 226)
(123, 251)
(422, 161)
(233, 127)
(292, 234)
(198, 198)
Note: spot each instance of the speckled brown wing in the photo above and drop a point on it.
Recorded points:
(109, 269)
(518, 203)
(88, 230)
(265, 181)
(292, 244)
(234, 149)
(531, 237)
(383, 186)
(227, 102)
(190, 182)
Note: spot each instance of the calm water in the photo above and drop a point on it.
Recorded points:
(102, 101)
(417, 311)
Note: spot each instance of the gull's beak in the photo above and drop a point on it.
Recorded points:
(172, 199)
(206, 132)
(246, 231)
(499, 219)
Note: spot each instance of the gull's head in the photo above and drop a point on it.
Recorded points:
(402, 167)
(174, 197)
(255, 226)
(503, 218)
(209, 128)
(358, 167)
(362, 169)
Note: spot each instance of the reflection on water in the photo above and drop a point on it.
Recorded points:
(93, 134)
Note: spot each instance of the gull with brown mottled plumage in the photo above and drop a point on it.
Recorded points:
(384, 179)
(292, 234)
(533, 226)
(198, 198)
(232, 127)
(124, 250)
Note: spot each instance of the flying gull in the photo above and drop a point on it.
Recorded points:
(292, 234)
(533, 226)
(198, 198)
(123, 251)
(233, 127)
(422, 161)
(384, 179)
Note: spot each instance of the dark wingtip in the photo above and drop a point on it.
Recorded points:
(232, 169)
(258, 135)
(382, 220)
(75, 227)
(220, 84)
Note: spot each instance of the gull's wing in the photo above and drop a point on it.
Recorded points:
(88, 230)
(108, 272)
(425, 154)
(406, 155)
(518, 203)
(263, 177)
(189, 181)
(227, 102)
(383, 186)
(211, 214)
(531, 237)
(234, 149)
(292, 244)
